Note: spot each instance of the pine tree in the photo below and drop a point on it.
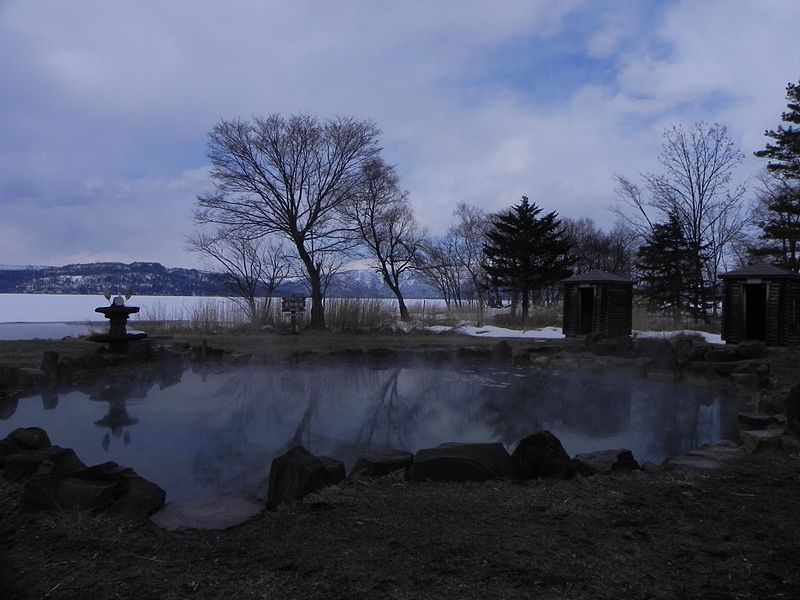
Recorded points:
(778, 213)
(665, 262)
(525, 251)
(784, 154)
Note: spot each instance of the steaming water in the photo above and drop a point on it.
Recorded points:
(216, 433)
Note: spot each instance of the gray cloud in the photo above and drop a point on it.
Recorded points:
(106, 106)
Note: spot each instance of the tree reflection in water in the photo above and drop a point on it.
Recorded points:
(217, 431)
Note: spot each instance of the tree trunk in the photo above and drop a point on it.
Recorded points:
(315, 283)
(525, 302)
(394, 285)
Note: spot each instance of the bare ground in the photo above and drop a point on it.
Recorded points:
(725, 534)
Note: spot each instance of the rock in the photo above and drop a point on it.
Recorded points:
(382, 354)
(501, 351)
(522, 359)
(722, 354)
(8, 406)
(722, 450)
(50, 363)
(762, 371)
(467, 354)
(334, 468)
(220, 512)
(24, 438)
(9, 381)
(543, 348)
(106, 488)
(722, 368)
(790, 444)
(605, 461)
(659, 353)
(746, 381)
(298, 473)
(542, 455)
(753, 421)
(793, 410)
(751, 349)
(602, 345)
(688, 348)
(708, 456)
(462, 462)
(762, 440)
(379, 464)
(699, 463)
(31, 378)
(24, 464)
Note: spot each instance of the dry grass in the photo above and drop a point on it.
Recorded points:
(648, 320)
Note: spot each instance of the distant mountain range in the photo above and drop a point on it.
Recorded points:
(154, 279)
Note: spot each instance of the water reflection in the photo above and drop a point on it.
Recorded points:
(213, 433)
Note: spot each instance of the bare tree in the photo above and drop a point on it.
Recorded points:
(252, 268)
(288, 176)
(597, 250)
(383, 222)
(698, 163)
(438, 264)
(468, 235)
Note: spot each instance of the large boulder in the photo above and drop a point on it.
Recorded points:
(377, 464)
(220, 512)
(24, 438)
(107, 488)
(605, 461)
(750, 349)
(297, 473)
(462, 462)
(762, 440)
(793, 410)
(501, 351)
(24, 464)
(542, 455)
(707, 457)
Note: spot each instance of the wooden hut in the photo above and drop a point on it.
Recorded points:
(761, 302)
(597, 303)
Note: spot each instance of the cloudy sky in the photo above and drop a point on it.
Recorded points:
(105, 105)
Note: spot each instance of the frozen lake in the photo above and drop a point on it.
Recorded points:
(54, 316)
(216, 433)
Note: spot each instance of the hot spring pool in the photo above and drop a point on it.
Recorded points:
(217, 432)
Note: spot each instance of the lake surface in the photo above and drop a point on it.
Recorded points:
(216, 433)
(54, 316)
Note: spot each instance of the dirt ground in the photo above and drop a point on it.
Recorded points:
(726, 534)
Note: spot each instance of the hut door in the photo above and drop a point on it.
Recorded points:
(755, 311)
(586, 308)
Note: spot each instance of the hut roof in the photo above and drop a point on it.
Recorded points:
(764, 270)
(597, 277)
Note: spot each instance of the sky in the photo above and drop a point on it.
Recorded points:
(105, 106)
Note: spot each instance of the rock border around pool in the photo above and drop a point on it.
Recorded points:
(54, 478)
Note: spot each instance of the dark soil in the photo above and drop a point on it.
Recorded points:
(731, 533)
(725, 534)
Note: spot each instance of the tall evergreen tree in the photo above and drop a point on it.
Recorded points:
(777, 214)
(665, 264)
(525, 251)
(778, 210)
(784, 154)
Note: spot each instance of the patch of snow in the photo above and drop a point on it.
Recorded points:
(711, 338)
(490, 331)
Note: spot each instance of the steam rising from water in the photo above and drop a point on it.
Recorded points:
(216, 433)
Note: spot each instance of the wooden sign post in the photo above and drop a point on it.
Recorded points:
(293, 305)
